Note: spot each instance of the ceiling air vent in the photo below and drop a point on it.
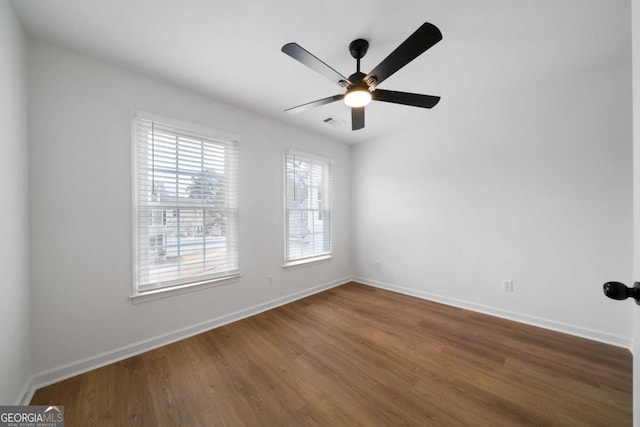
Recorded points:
(333, 121)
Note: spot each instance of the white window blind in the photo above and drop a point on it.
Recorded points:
(186, 196)
(308, 213)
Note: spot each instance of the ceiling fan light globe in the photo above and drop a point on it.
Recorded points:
(357, 98)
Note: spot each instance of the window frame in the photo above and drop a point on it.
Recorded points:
(327, 191)
(186, 285)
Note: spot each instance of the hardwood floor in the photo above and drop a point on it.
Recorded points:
(359, 356)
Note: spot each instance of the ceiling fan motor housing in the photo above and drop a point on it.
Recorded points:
(357, 79)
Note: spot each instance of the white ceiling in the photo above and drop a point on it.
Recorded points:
(230, 49)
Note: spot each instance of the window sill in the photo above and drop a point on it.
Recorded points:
(307, 261)
(182, 289)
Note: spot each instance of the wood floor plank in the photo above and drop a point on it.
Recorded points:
(359, 356)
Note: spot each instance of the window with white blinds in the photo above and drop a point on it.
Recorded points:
(308, 213)
(186, 197)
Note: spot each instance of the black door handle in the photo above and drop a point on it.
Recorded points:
(620, 291)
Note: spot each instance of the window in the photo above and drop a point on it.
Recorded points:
(308, 214)
(185, 209)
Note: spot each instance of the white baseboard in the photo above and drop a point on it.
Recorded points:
(566, 328)
(69, 370)
(26, 393)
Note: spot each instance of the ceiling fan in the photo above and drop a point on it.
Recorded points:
(361, 88)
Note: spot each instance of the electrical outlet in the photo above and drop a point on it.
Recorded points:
(270, 280)
(507, 285)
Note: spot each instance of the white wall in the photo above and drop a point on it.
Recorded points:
(14, 304)
(635, 46)
(534, 185)
(80, 197)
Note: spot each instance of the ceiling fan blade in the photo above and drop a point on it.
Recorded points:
(313, 104)
(406, 98)
(301, 55)
(357, 118)
(418, 42)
